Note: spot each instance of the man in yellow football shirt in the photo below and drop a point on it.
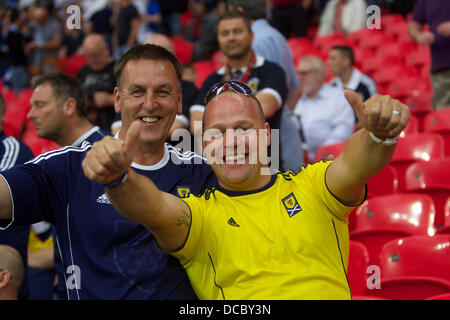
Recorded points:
(256, 236)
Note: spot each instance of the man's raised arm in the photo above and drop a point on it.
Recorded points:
(135, 196)
(382, 119)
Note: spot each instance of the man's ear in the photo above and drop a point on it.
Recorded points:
(70, 107)
(267, 127)
(5, 278)
(116, 96)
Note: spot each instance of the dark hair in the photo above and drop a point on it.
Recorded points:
(235, 14)
(346, 52)
(148, 52)
(254, 9)
(2, 104)
(64, 87)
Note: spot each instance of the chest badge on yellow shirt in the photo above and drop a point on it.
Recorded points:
(291, 204)
(183, 192)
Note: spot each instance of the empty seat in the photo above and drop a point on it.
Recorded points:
(203, 69)
(446, 227)
(358, 262)
(432, 178)
(415, 267)
(383, 183)
(331, 150)
(444, 296)
(419, 105)
(439, 121)
(416, 147)
(385, 218)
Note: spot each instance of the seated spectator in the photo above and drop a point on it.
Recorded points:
(171, 16)
(289, 17)
(98, 81)
(199, 29)
(265, 78)
(71, 43)
(100, 21)
(341, 61)
(14, 152)
(47, 39)
(125, 20)
(151, 19)
(325, 115)
(11, 273)
(16, 76)
(342, 16)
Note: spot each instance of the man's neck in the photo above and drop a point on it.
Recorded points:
(346, 76)
(75, 133)
(7, 295)
(241, 62)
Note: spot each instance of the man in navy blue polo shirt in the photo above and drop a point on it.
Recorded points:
(106, 256)
(12, 152)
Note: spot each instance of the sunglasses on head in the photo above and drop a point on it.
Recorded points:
(235, 86)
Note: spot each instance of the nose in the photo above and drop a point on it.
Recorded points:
(30, 114)
(149, 102)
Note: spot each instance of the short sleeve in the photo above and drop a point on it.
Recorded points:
(317, 173)
(188, 251)
(274, 79)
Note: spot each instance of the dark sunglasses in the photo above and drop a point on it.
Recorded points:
(236, 86)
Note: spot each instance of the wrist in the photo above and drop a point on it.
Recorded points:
(122, 179)
(384, 141)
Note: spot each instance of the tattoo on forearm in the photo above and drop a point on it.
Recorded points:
(184, 219)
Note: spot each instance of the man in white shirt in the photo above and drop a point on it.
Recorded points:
(325, 114)
(341, 61)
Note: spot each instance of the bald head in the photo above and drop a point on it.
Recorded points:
(11, 261)
(162, 41)
(96, 51)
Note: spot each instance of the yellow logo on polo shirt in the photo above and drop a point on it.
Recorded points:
(291, 204)
(183, 192)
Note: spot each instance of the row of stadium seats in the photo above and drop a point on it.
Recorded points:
(410, 268)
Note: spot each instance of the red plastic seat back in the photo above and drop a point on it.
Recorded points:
(383, 183)
(358, 262)
(439, 121)
(385, 218)
(417, 256)
(324, 152)
(432, 178)
(416, 147)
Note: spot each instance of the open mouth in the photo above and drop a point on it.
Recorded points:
(236, 158)
(150, 120)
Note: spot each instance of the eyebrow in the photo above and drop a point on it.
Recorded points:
(139, 86)
(219, 125)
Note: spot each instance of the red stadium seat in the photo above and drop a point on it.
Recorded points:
(409, 87)
(416, 147)
(183, 49)
(358, 36)
(36, 144)
(375, 41)
(439, 121)
(362, 297)
(383, 183)
(419, 58)
(446, 227)
(420, 106)
(324, 152)
(203, 69)
(432, 178)
(385, 218)
(412, 127)
(388, 75)
(415, 268)
(358, 262)
(15, 119)
(72, 64)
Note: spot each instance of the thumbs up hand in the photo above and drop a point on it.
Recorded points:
(108, 159)
(384, 116)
